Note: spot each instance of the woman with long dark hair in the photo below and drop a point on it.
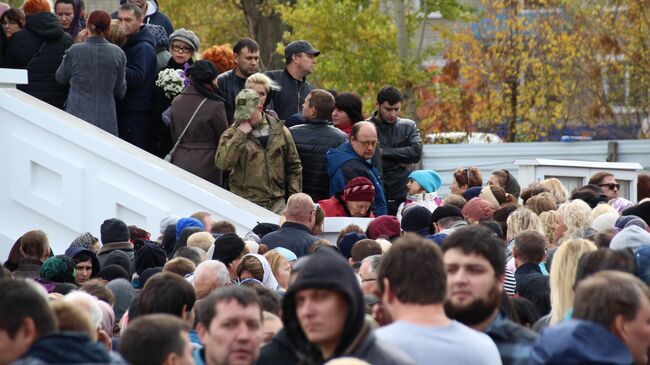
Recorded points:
(69, 14)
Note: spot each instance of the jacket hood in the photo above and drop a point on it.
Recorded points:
(44, 25)
(579, 342)
(338, 156)
(73, 251)
(143, 35)
(68, 348)
(326, 269)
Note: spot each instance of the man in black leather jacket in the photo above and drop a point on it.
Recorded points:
(399, 143)
(230, 83)
(313, 139)
(300, 58)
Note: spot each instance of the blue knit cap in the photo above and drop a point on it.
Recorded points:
(429, 180)
(186, 223)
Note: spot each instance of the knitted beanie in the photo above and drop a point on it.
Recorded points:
(348, 240)
(477, 209)
(185, 223)
(386, 226)
(227, 248)
(359, 189)
(114, 230)
(86, 240)
(416, 219)
(625, 221)
(59, 269)
(429, 180)
(472, 192)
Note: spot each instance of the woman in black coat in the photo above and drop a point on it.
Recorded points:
(39, 49)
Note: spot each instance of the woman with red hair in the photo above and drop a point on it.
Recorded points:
(95, 70)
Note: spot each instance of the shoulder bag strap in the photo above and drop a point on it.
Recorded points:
(35, 56)
(171, 153)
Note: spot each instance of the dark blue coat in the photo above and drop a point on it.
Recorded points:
(343, 165)
(579, 342)
(141, 70)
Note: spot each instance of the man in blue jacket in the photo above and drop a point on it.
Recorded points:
(134, 111)
(353, 159)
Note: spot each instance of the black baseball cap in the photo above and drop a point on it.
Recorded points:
(298, 47)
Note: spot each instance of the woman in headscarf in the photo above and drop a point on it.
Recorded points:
(198, 120)
(69, 14)
(256, 267)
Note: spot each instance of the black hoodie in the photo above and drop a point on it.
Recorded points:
(24, 44)
(327, 269)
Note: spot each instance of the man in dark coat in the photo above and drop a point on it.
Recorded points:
(39, 49)
(230, 83)
(324, 317)
(134, 111)
(295, 234)
(300, 58)
(399, 143)
(152, 14)
(313, 139)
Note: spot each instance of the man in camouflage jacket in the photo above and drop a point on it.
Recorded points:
(260, 154)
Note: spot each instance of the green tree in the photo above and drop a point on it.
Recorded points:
(359, 43)
(214, 21)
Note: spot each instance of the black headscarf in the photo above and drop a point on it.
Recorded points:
(169, 240)
(202, 73)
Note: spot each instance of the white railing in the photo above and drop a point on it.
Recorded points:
(65, 176)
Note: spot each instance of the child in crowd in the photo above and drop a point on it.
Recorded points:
(422, 186)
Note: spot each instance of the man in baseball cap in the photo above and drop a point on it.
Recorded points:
(300, 57)
(245, 149)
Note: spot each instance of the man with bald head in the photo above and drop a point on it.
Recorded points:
(210, 275)
(354, 158)
(295, 234)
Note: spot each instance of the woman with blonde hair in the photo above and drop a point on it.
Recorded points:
(573, 220)
(517, 222)
(563, 276)
(547, 222)
(541, 202)
(555, 186)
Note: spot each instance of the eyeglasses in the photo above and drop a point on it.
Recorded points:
(181, 49)
(367, 143)
(611, 186)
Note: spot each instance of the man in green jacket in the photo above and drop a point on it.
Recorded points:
(260, 154)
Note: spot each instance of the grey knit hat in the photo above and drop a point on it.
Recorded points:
(186, 36)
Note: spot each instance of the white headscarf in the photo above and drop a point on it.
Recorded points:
(268, 280)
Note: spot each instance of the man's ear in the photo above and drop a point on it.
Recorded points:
(619, 327)
(27, 331)
(387, 295)
(202, 332)
(171, 359)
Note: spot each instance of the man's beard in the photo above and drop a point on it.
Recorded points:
(477, 311)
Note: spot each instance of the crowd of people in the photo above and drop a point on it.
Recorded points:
(490, 273)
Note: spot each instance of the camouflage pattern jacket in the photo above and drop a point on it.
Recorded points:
(257, 174)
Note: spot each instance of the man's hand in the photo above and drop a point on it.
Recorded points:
(245, 127)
